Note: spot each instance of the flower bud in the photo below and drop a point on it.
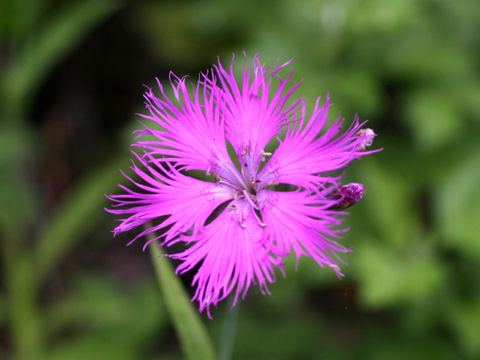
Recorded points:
(348, 195)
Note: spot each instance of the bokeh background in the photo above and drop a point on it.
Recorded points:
(71, 76)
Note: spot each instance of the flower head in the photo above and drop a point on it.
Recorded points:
(250, 139)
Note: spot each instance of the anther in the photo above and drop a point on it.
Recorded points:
(259, 221)
(235, 194)
(244, 151)
(263, 153)
(368, 135)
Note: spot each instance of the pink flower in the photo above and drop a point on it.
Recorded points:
(256, 226)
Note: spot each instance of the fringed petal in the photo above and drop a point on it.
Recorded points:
(302, 222)
(184, 202)
(188, 131)
(312, 147)
(231, 256)
(254, 108)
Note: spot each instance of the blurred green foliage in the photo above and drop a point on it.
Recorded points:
(411, 288)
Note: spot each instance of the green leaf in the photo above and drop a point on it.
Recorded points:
(389, 200)
(296, 333)
(97, 302)
(95, 308)
(457, 205)
(18, 17)
(434, 118)
(192, 333)
(389, 277)
(93, 346)
(464, 320)
(46, 47)
(75, 217)
(18, 199)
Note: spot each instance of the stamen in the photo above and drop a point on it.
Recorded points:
(249, 199)
(239, 178)
(334, 267)
(235, 194)
(240, 221)
(263, 153)
(260, 223)
(244, 151)
(258, 215)
(229, 184)
(368, 135)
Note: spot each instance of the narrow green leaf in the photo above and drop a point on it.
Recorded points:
(18, 199)
(192, 334)
(81, 210)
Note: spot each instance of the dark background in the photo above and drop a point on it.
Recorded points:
(71, 76)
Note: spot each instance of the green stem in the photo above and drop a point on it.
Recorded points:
(228, 333)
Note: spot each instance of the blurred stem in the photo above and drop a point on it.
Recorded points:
(228, 333)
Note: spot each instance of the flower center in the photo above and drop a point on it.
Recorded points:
(244, 183)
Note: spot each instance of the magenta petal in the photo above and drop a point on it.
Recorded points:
(255, 110)
(186, 201)
(303, 223)
(256, 225)
(308, 150)
(232, 257)
(189, 130)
